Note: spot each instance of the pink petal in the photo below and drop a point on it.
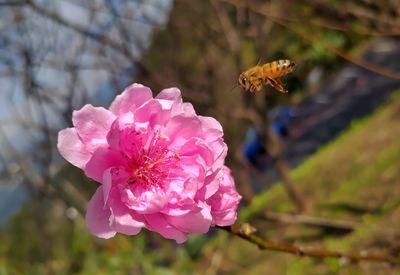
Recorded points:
(158, 223)
(212, 183)
(97, 218)
(211, 123)
(112, 178)
(227, 213)
(220, 150)
(193, 169)
(118, 132)
(143, 200)
(197, 146)
(152, 112)
(185, 109)
(102, 159)
(124, 220)
(71, 147)
(212, 128)
(225, 218)
(188, 109)
(173, 94)
(107, 184)
(92, 125)
(130, 99)
(198, 222)
(181, 208)
(225, 201)
(191, 188)
(171, 99)
(181, 128)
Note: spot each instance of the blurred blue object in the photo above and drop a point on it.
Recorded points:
(280, 117)
(252, 147)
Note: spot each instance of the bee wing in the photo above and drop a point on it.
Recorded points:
(277, 84)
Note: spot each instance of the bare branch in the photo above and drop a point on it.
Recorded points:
(37, 181)
(311, 220)
(247, 232)
(10, 3)
(100, 38)
(312, 38)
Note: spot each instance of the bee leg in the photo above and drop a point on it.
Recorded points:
(277, 84)
(256, 85)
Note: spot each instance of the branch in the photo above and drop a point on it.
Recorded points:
(310, 220)
(230, 34)
(314, 39)
(247, 232)
(11, 3)
(98, 37)
(38, 182)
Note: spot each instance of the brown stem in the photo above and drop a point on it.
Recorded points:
(247, 232)
(274, 149)
(259, 118)
(311, 221)
(294, 194)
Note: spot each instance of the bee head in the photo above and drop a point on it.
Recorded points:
(243, 82)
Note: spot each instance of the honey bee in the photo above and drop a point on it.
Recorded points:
(268, 74)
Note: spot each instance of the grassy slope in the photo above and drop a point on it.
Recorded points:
(360, 169)
(357, 178)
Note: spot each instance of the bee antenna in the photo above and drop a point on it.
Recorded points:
(236, 85)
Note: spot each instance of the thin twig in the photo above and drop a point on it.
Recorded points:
(314, 39)
(11, 3)
(230, 33)
(310, 220)
(36, 180)
(98, 37)
(247, 232)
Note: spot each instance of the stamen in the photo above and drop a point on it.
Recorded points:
(151, 166)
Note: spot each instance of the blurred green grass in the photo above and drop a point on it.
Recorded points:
(357, 171)
(355, 178)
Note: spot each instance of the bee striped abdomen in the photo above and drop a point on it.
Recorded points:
(253, 79)
(278, 68)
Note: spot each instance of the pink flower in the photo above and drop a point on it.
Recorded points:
(160, 165)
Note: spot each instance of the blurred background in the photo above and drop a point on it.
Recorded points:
(318, 167)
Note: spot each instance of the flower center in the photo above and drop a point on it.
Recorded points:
(151, 164)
